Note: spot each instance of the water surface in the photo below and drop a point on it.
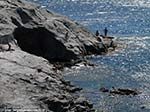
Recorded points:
(128, 66)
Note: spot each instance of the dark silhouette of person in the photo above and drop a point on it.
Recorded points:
(97, 33)
(105, 31)
(98, 37)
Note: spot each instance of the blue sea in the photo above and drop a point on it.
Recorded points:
(126, 67)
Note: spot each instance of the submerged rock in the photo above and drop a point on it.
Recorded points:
(104, 90)
(124, 92)
(120, 91)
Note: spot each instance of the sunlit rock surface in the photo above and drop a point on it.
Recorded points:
(44, 33)
(28, 81)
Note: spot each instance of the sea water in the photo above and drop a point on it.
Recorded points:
(128, 66)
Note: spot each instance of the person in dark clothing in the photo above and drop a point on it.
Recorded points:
(105, 31)
(98, 37)
(97, 33)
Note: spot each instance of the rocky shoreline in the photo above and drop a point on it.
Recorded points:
(33, 41)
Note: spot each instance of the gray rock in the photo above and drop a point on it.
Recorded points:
(23, 86)
(28, 81)
(45, 33)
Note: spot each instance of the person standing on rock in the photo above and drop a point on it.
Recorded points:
(105, 32)
(98, 37)
(97, 33)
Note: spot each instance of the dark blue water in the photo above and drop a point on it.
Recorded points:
(124, 19)
(128, 66)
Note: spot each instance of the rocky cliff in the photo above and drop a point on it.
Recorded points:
(43, 33)
(31, 37)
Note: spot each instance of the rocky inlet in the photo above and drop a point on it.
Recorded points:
(32, 40)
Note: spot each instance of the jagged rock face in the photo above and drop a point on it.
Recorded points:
(44, 33)
(28, 82)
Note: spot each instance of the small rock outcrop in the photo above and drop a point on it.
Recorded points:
(120, 91)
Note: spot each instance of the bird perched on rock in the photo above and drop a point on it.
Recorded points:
(7, 39)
